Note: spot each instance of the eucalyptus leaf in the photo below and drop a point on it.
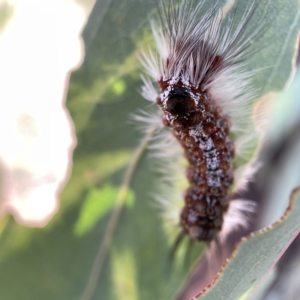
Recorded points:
(58, 263)
(285, 176)
(256, 255)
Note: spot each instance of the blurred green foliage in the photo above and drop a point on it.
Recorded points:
(55, 262)
(98, 203)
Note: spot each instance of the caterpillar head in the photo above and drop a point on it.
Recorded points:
(180, 108)
(179, 102)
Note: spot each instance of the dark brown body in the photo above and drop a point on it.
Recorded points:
(203, 132)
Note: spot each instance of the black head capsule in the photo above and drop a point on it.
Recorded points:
(179, 102)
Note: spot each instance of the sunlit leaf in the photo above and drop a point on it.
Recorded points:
(111, 162)
(256, 255)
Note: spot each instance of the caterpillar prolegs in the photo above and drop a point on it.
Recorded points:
(204, 95)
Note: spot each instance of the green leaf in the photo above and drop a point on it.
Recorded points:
(132, 244)
(97, 203)
(285, 177)
(125, 287)
(256, 255)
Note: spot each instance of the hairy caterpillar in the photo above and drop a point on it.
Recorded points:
(204, 95)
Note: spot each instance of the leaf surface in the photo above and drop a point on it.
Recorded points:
(256, 255)
(56, 262)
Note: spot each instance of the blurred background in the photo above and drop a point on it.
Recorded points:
(80, 223)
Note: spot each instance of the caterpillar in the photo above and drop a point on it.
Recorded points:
(203, 92)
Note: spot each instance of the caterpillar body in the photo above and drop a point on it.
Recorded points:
(204, 95)
(203, 133)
